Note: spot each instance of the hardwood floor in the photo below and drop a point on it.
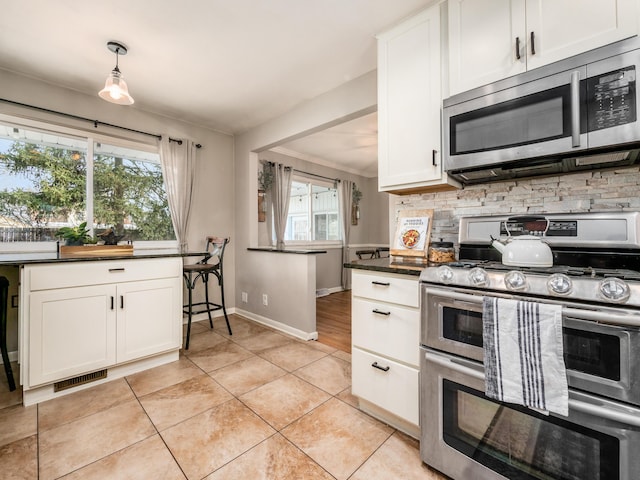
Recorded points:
(333, 320)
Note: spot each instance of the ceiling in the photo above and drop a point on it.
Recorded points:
(228, 65)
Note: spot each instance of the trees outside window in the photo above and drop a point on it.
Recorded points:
(49, 180)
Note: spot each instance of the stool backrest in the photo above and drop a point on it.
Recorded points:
(215, 247)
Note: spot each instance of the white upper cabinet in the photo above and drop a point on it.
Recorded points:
(409, 104)
(494, 39)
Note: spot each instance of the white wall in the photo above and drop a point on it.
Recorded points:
(213, 207)
(353, 99)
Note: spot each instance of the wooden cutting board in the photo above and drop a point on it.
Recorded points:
(95, 250)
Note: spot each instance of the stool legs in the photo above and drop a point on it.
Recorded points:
(208, 306)
(205, 280)
(189, 283)
(224, 308)
(4, 297)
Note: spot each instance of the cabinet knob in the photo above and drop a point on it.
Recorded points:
(518, 48)
(433, 158)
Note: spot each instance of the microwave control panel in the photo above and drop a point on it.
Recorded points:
(611, 99)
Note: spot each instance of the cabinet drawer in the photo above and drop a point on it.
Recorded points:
(395, 390)
(64, 275)
(386, 288)
(386, 328)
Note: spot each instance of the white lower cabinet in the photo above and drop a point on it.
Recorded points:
(389, 385)
(71, 331)
(385, 355)
(72, 326)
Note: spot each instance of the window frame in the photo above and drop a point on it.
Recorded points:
(91, 138)
(311, 182)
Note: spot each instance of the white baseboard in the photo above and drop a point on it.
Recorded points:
(282, 327)
(323, 292)
(13, 357)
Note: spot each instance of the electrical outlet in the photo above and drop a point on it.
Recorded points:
(265, 299)
(245, 297)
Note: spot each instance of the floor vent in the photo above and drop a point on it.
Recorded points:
(82, 379)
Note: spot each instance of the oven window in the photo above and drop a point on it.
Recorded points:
(463, 326)
(534, 118)
(592, 353)
(524, 445)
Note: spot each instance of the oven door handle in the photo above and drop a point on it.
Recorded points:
(475, 370)
(621, 417)
(599, 316)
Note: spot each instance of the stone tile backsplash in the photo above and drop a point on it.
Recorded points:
(593, 191)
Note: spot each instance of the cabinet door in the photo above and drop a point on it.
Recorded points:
(385, 383)
(483, 37)
(149, 317)
(71, 331)
(388, 329)
(563, 28)
(409, 103)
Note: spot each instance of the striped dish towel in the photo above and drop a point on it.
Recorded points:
(523, 357)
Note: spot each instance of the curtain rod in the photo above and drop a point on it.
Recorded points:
(316, 175)
(306, 173)
(95, 122)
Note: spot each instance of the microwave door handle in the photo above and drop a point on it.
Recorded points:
(575, 109)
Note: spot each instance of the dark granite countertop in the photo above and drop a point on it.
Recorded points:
(18, 258)
(286, 250)
(389, 265)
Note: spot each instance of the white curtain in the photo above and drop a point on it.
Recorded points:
(345, 199)
(178, 169)
(281, 191)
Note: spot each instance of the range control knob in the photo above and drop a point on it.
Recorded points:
(478, 277)
(559, 284)
(515, 280)
(445, 274)
(614, 290)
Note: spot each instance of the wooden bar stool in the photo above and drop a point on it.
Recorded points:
(201, 270)
(4, 297)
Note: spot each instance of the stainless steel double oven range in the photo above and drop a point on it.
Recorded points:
(596, 278)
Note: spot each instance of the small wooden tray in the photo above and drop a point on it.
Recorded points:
(95, 250)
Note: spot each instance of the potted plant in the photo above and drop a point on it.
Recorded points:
(78, 235)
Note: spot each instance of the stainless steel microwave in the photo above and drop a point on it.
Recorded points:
(579, 113)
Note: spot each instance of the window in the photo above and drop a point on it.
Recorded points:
(49, 180)
(313, 212)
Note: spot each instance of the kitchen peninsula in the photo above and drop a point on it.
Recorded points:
(86, 320)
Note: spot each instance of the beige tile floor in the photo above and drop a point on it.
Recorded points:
(255, 405)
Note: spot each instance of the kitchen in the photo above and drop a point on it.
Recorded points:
(235, 181)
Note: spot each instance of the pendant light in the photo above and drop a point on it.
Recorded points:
(115, 88)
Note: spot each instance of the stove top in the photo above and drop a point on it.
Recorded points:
(572, 271)
(596, 257)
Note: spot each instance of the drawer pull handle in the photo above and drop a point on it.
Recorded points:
(112, 302)
(384, 369)
(116, 269)
(383, 284)
(121, 301)
(380, 312)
